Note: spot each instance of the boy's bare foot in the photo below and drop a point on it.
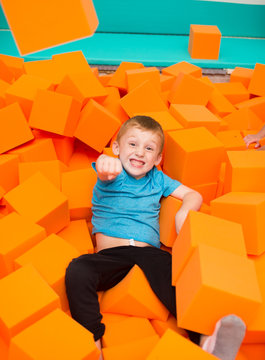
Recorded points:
(227, 337)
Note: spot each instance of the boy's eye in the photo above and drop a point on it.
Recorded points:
(132, 144)
(149, 148)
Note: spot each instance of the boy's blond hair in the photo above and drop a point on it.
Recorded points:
(145, 123)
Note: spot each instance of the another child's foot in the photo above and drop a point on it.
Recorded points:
(227, 337)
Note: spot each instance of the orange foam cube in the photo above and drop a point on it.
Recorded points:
(54, 336)
(24, 90)
(112, 103)
(190, 116)
(235, 92)
(141, 99)
(5, 73)
(245, 171)
(14, 63)
(256, 104)
(17, 235)
(243, 119)
(231, 139)
(80, 197)
(189, 90)
(200, 228)
(54, 112)
(171, 323)
(166, 81)
(168, 210)
(173, 345)
(8, 171)
(27, 298)
(136, 77)
(256, 84)
(204, 42)
(77, 234)
(252, 351)
(245, 208)
(59, 23)
(14, 129)
(50, 258)
(40, 201)
(3, 87)
(193, 156)
(119, 78)
(211, 286)
(240, 74)
(183, 67)
(42, 68)
(130, 329)
(133, 296)
(90, 131)
(207, 191)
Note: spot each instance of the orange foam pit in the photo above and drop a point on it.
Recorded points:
(200, 228)
(41, 202)
(108, 151)
(5, 73)
(256, 104)
(27, 299)
(14, 129)
(55, 334)
(14, 63)
(167, 121)
(125, 331)
(133, 296)
(204, 42)
(105, 78)
(207, 191)
(9, 171)
(166, 81)
(252, 351)
(190, 116)
(171, 323)
(36, 150)
(189, 90)
(171, 344)
(136, 77)
(243, 75)
(42, 68)
(58, 23)
(243, 119)
(214, 276)
(54, 112)
(112, 103)
(193, 156)
(17, 235)
(256, 84)
(58, 253)
(3, 87)
(231, 139)
(235, 92)
(245, 208)
(119, 78)
(77, 235)
(138, 349)
(168, 210)
(82, 157)
(24, 90)
(182, 67)
(245, 171)
(79, 197)
(50, 169)
(143, 98)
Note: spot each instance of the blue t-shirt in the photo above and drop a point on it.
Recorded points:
(129, 208)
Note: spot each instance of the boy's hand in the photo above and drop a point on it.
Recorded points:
(252, 138)
(108, 168)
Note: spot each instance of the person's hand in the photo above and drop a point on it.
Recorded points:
(252, 138)
(262, 148)
(108, 168)
(180, 218)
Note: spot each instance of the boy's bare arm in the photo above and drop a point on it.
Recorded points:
(191, 200)
(108, 168)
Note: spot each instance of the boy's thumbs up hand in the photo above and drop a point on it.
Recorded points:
(108, 168)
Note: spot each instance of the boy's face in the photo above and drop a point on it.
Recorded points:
(138, 150)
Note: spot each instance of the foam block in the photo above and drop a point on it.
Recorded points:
(207, 191)
(193, 156)
(243, 75)
(50, 258)
(17, 235)
(133, 296)
(173, 344)
(189, 90)
(58, 23)
(90, 131)
(55, 334)
(143, 98)
(235, 92)
(24, 90)
(166, 81)
(245, 171)
(245, 208)
(3, 87)
(204, 42)
(27, 299)
(8, 171)
(243, 119)
(231, 139)
(119, 78)
(183, 67)
(210, 287)
(112, 103)
(82, 157)
(190, 116)
(42, 68)
(6, 74)
(54, 112)
(200, 228)
(256, 104)
(77, 234)
(253, 351)
(137, 76)
(256, 84)
(39, 200)
(14, 63)
(14, 129)
(171, 323)
(168, 210)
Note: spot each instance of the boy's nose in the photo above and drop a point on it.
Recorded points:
(139, 151)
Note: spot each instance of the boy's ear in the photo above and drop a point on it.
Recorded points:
(115, 148)
(158, 160)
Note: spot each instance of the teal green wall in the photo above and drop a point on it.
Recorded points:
(175, 17)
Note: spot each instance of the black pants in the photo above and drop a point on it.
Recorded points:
(101, 271)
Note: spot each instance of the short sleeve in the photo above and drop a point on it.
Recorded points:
(169, 185)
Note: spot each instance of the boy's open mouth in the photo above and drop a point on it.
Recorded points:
(137, 163)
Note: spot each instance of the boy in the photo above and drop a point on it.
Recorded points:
(126, 203)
